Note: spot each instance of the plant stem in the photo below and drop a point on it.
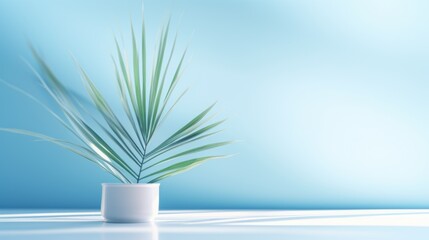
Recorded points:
(141, 165)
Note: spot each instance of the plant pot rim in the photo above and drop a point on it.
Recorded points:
(131, 185)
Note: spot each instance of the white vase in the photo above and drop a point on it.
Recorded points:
(129, 203)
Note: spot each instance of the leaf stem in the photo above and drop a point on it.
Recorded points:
(141, 165)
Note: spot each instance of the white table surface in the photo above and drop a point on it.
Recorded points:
(202, 225)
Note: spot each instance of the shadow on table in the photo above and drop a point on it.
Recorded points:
(267, 220)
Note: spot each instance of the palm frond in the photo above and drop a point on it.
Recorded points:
(87, 153)
(125, 149)
(178, 168)
(187, 152)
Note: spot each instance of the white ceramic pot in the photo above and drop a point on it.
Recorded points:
(129, 203)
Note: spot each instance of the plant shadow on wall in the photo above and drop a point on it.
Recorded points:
(126, 149)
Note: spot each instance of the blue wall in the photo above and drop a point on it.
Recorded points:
(329, 99)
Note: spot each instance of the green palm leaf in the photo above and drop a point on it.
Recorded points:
(77, 149)
(187, 152)
(179, 168)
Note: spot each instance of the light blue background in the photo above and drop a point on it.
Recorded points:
(329, 100)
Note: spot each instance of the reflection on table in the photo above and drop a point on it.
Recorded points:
(304, 225)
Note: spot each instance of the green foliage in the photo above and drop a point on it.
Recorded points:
(126, 150)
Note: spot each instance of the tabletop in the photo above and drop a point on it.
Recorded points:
(220, 224)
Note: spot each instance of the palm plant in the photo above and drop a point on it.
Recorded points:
(126, 149)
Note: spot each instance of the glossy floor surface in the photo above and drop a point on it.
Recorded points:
(201, 225)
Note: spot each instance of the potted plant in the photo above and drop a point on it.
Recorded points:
(125, 148)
